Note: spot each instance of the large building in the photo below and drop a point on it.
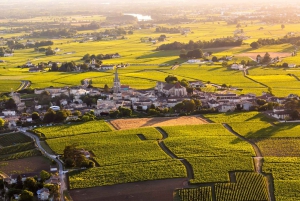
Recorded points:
(171, 89)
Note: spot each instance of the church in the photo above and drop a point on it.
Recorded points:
(171, 89)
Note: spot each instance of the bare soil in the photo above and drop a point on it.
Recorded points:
(253, 55)
(137, 191)
(121, 124)
(25, 165)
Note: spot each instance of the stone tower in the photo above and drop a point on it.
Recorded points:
(117, 83)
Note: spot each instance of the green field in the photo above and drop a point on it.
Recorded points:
(16, 146)
(209, 150)
(121, 156)
(286, 178)
(73, 129)
(237, 117)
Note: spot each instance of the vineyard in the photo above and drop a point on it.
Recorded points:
(16, 146)
(195, 194)
(237, 117)
(73, 129)
(13, 138)
(285, 171)
(210, 151)
(127, 172)
(248, 186)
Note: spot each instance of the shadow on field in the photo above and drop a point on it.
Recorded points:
(268, 132)
(160, 54)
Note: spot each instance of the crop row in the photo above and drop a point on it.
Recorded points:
(17, 148)
(13, 138)
(127, 172)
(23, 154)
(210, 149)
(285, 171)
(116, 147)
(74, 129)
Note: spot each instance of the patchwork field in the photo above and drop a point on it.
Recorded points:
(279, 144)
(123, 156)
(121, 124)
(16, 146)
(209, 150)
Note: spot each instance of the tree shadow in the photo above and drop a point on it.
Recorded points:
(268, 132)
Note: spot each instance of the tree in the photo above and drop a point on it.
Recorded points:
(295, 114)
(254, 45)
(35, 116)
(106, 88)
(171, 79)
(49, 51)
(77, 113)
(285, 65)
(49, 116)
(44, 175)
(224, 64)
(214, 59)
(2, 122)
(267, 58)
(198, 53)
(30, 184)
(243, 62)
(282, 26)
(61, 115)
(10, 104)
(26, 196)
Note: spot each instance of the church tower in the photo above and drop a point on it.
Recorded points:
(117, 83)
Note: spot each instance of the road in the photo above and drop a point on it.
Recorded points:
(63, 185)
(24, 84)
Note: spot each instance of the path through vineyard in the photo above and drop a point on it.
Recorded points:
(258, 161)
(188, 166)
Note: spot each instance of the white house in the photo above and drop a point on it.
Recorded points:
(280, 114)
(8, 55)
(292, 65)
(107, 67)
(237, 67)
(9, 112)
(227, 107)
(192, 61)
(43, 194)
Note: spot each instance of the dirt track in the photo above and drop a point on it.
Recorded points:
(156, 122)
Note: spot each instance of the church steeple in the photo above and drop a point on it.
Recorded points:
(117, 84)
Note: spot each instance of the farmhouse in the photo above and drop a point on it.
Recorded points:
(281, 114)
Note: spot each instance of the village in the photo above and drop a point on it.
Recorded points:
(166, 99)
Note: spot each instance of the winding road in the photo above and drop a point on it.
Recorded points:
(62, 178)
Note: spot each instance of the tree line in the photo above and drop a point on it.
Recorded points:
(167, 30)
(223, 42)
